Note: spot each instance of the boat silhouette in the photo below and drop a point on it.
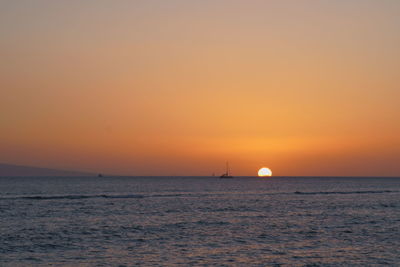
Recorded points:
(227, 174)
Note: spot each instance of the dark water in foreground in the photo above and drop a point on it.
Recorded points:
(195, 221)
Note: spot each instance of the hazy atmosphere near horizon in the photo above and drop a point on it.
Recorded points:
(180, 87)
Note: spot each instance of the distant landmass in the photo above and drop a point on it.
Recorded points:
(16, 170)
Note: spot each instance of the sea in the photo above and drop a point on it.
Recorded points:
(199, 221)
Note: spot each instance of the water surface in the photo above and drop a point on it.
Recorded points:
(199, 221)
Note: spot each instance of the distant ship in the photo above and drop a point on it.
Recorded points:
(227, 174)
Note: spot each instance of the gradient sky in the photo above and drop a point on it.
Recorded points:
(179, 87)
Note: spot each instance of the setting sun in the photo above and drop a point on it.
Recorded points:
(264, 172)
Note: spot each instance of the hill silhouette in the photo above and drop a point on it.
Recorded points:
(17, 170)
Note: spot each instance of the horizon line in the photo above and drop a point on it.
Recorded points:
(204, 176)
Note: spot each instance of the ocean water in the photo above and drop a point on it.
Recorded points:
(199, 221)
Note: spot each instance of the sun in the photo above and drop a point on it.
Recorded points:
(264, 172)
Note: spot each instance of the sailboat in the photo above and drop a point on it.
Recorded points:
(227, 174)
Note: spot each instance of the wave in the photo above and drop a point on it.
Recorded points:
(345, 192)
(138, 196)
(74, 197)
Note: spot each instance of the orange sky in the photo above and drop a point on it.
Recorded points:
(179, 87)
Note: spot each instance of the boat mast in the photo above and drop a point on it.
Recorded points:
(227, 168)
